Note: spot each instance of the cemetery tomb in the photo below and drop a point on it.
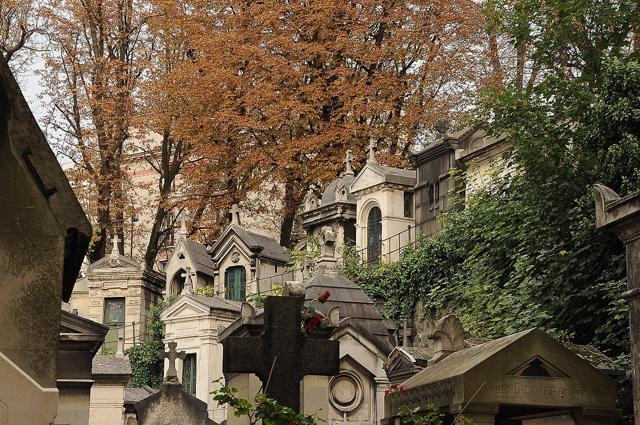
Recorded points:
(527, 378)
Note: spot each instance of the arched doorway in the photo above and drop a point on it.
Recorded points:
(374, 235)
(235, 282)
(177, 283)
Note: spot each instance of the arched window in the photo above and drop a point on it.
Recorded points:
(374, 235)
(235, 281)
(177, 283)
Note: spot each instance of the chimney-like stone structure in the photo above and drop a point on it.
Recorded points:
(621, 215)
(448, 337)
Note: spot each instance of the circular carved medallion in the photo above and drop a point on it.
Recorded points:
(235, 256)
(345, 391)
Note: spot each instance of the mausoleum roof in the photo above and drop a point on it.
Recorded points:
(201, 260)
(329, 194)
(267, 247)
(351, 299)
(217, 303)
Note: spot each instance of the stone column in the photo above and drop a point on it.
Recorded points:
(622, 217)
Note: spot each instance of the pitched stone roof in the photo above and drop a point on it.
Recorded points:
(267, 247)
(110, 365)
(329, 194)
(395, 175)
(462, 361)
(351, 299)
(200, 257)
(217, 303)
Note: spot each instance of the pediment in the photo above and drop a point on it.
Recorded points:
(366, 178)
(399, 362)
(230, 243)
(184, 306)
(538, 367)
(115, 262)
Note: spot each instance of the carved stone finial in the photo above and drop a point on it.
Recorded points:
(172, 355)
(311, 201)
(442, 126)
(372, 151)
(235, 214)
(183, 232)
(448, 337)
(115, 251)
(348, 171)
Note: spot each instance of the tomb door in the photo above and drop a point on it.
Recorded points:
(374, 235)
(189, 374)
(114, 319)
(235, 281)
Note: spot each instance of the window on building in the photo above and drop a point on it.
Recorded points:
(189, 374)
(235, 281)
(436, 191)
(408, 205)
(431, 194)
(276, 266)
(374, 235)
(114, 312)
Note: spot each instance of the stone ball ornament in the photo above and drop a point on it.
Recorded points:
(345, 391)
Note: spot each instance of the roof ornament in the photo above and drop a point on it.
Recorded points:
(448, 337)
(372, 151)
(115, 251)
(311, 201)
(442, 127)
(348, 171)
(183, 232)
(235, 214)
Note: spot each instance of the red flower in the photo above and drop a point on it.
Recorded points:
(386, 392)
(324, 296)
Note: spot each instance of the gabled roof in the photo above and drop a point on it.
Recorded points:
(462, 361)
(388, 175)
(201, 305)
(264, 246)
(199, 256)
(34, 153)
(352, 300)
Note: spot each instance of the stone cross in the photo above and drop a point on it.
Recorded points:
(115, 251)
(372, 151)
(281, 355)
(348, 171)
(235, 214)
(172, 355)
(622, 217)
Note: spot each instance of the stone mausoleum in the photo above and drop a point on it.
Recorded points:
(527, 378)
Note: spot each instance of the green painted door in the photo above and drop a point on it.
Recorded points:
(189, 374)
(235, 281)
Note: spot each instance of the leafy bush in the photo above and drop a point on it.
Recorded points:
(264, 409)
(146, 365)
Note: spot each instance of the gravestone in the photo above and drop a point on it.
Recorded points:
(172, 405)
(281, 355)
(622, 217)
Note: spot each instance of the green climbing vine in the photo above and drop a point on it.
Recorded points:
(146, 366)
